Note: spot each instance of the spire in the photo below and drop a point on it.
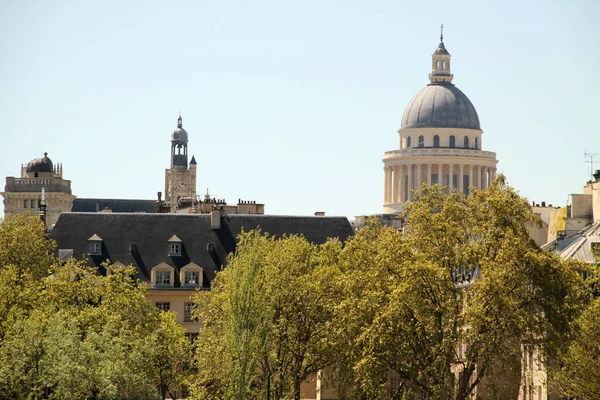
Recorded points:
(440, 66)
(193, 162)
(179, 121)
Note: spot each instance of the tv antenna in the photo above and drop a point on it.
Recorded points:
(591, 161)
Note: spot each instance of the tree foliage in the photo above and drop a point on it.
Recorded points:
(268, 318)
(70, 333)
(446, 305)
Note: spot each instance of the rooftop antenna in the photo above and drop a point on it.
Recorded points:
(442, 33)
(591, 161)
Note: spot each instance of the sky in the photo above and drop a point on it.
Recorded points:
(290, 104)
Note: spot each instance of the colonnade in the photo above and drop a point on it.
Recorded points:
(400, 179)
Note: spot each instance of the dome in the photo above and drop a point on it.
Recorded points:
(440, 106)
(180, 135)
(42, 164)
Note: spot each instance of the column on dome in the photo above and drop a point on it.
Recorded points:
(440, 174)
(419, 181)
(460, 179)
(385, 184)
(494, 174)
(471, 177)
(396, 172)
(483, 178)
(410, 182)
(429, 165)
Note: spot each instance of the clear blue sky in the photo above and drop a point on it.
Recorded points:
(290, 103)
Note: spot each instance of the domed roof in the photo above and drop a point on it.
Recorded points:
(440, 105)
(179, 134)
(42, 164)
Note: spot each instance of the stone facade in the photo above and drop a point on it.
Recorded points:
(23, 195)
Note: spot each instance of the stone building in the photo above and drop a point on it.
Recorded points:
(440, 141)
(23, 195)
(176, 254)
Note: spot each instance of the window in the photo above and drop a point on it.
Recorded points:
(174, 246)
(452, 141)
(191, 337)
(466, 142)
(32, 203)
(408, 142)
(95, 248)
(421, 141)
(437, 65)
(436, 141)
(174, 249)
(476, 143)
(163, 306)
(444, 64)
(163, 277)
(188, 312)
(25, 203)
(191, 278)
(434, 179)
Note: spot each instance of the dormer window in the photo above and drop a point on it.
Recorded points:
(191, 276)
(162, 276)
(174, 246)
(95, 245)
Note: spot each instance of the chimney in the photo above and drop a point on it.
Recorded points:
(596, 175)
(320, 214)
(543, 204)
(215, 219)
(159, 195)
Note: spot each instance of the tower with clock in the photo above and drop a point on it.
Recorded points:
(180, 178)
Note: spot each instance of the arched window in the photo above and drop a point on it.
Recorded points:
(421, 141)
(476, 143)
(437, 65)
(466, 142)
(436, 141)
(452, 141)
(408, 142)
(444, 64)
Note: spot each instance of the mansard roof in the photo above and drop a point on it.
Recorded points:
(139, 239)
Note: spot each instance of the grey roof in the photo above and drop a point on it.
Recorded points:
(441, 49)
(116, 205)
(179, 135)
(579, 246)
(440, 105)
(42, 164)
(141, 239)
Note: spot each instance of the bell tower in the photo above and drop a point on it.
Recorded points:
(180, 178)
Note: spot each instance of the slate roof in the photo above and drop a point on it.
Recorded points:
(579, 246)
(440, 105)
(116, 205)
(141, 239)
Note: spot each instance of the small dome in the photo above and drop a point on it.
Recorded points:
(42, 164)
(440, 106)
(180, 135)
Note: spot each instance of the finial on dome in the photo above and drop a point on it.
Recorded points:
(442, 33)
(45, 154)
(179, 121)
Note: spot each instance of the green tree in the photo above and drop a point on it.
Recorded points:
(579, 376)
(446, 303)
(26, 254)
(272, 306)
(170, 356)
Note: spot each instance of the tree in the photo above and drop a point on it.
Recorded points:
(26, 255)
(579, 376)
(272, 307)
(446, 304)
(170, 356)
